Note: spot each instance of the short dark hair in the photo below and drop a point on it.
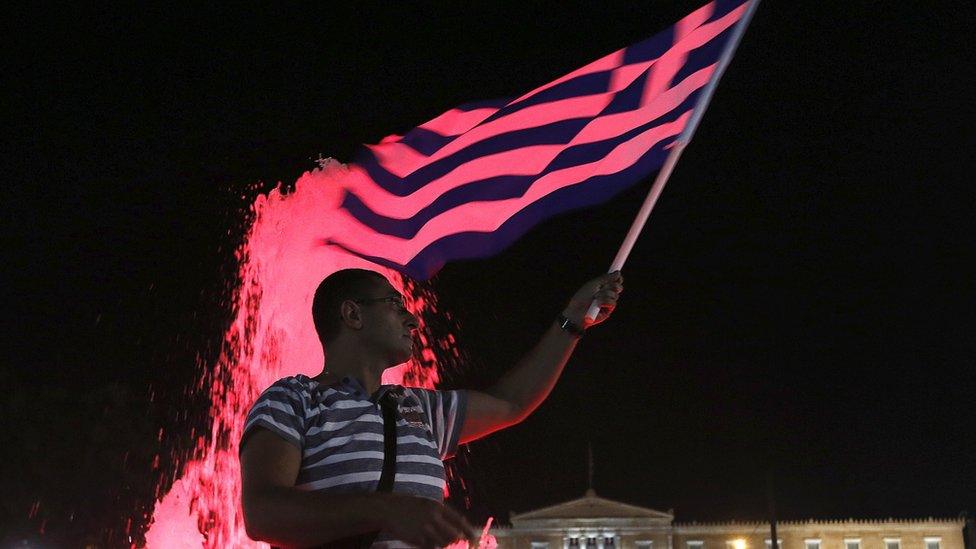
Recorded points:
(336, 288)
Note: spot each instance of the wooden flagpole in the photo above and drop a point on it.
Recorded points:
(676, 149)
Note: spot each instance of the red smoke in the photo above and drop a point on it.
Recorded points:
(281, 262)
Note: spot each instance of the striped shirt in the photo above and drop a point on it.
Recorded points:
(339, 431)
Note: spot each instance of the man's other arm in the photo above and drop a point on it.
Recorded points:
(522, 389)
(277, 512)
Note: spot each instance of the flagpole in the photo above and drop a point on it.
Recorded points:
(676, 149)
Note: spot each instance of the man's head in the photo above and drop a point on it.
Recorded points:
(362, 306)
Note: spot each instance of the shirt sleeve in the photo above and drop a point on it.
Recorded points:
(281, 410)
(445, 411)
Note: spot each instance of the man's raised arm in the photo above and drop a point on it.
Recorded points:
(522, 389)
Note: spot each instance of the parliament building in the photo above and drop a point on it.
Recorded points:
(593, 522)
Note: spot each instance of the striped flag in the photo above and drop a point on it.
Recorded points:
(471, 181)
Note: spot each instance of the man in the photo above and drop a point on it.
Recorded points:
(313, 448)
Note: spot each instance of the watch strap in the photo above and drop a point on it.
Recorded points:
(569, 326)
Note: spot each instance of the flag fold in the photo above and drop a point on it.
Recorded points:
(473, 180)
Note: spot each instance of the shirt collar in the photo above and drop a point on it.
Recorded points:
(395, 390)
(351, 386)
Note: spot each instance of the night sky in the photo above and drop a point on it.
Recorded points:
(801, 301)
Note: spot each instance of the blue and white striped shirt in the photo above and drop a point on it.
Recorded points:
(339, 431)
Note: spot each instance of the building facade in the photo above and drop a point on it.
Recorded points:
(592, 522)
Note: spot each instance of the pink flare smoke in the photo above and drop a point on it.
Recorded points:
(272, 335)
(486, 541)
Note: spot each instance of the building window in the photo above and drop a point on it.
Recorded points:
(892, 543)
(852, 543)
(933, 543)
(814, 544)
(540, 545)
(696, 544)
(574, 543)
(591, 543)
(779, 543)
(609, 542)
(646, 544)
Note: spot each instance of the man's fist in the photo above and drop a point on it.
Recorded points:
(605, 290)
(424, 522)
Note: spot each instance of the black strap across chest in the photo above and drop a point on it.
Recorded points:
(389, 406)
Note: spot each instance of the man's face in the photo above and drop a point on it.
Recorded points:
(387, 325)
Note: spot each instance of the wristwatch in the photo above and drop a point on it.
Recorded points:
(569, 326)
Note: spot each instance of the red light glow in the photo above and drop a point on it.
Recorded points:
(281, 262)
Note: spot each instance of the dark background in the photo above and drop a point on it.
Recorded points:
(802, 300)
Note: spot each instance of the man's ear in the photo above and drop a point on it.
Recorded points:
(349, 310)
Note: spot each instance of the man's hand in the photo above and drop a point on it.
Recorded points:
(519, 392)
(277, 512)
(605, 290)
(425, 522)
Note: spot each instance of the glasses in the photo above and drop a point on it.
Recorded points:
(396, 300)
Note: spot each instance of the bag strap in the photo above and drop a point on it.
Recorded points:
(389, 406)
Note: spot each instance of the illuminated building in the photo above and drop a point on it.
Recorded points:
(593, 522)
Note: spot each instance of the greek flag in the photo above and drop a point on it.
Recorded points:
(470, 182)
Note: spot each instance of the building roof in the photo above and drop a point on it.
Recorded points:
(591, 506)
